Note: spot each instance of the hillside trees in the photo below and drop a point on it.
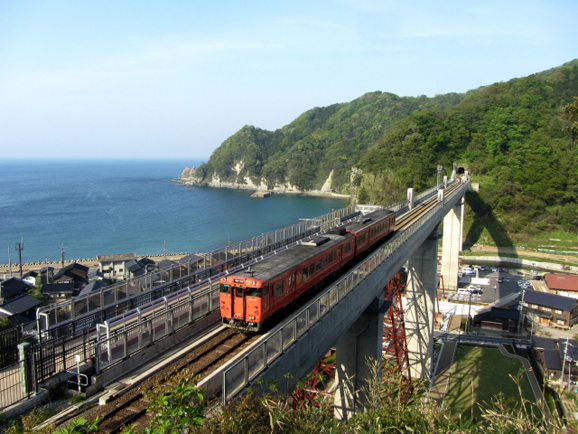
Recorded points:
(516, 138)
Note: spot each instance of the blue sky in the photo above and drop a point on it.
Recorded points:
(173, 79)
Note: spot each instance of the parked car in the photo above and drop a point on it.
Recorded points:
(468, 271)
(476, 289)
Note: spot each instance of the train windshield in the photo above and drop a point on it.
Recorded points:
(254, 292)
(226, 289)
(238, 291)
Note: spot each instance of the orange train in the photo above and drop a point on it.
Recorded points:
(250, 297)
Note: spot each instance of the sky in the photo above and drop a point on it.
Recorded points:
(174, 79)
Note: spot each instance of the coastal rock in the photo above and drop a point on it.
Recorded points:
(190, 177)
(189, 172)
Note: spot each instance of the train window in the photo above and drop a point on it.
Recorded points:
(330, 260)
(318, 264)
(265, 290)
(239, 292)
(305, 273)
(311, 269)
(278, 288)
(225, 289)
(339, 251)
(290, 280)
(254, 292)
(325, 261)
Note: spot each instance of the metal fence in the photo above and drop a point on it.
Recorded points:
(123, 338)
(11, 387)
(69, 317)
(247, 368)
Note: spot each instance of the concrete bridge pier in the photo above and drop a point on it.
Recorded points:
(356, 348)
(452, 245)
(419, 311)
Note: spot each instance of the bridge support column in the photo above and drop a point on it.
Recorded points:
(419, 312)
(360, 344)
(452, 245)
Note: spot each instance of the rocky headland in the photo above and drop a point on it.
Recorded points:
(190, 177)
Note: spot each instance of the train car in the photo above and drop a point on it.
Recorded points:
(371, 229)
(250, 297)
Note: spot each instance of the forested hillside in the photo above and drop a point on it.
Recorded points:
(320, 140)
(512, 136)
(515, 138)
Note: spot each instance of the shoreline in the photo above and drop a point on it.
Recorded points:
(89, 262)
(316, 193)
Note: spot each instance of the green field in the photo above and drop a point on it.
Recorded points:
(479, 374)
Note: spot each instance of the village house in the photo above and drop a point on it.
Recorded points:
(74, 273)
(115, 264)
(562, 284)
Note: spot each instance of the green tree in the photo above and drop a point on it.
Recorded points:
(570, 114)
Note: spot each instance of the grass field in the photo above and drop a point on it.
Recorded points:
(480, 373)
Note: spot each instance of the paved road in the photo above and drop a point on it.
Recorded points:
(495, 290)
(443, 372)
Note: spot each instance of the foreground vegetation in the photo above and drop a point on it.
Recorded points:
(392, 407)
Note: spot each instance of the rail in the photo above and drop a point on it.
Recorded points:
(248, 367)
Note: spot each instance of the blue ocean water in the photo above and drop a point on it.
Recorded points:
(97, 207)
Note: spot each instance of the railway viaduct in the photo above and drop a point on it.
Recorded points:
(349, 314)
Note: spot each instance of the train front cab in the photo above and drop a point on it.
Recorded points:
(242, 303)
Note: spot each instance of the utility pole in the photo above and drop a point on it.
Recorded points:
(20, 246)
(9, 262)
(165, 249)
(62, 255)
(469, 313)
(564, 364)
(440, 169)
(520, 308)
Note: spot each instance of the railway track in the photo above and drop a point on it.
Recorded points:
(131, 408)
(403, 222)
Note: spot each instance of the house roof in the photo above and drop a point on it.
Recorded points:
(116, 257)
(20, 304)
(95, 274)
(572, 352)
(57, 287)
(553, 360)
(548, 300)
(167, 263)
(76, 272)
(93, 286)
(563, 282)
(192, 258)
(13, 287)
(30, 273)
(133, 266)
(542, 343)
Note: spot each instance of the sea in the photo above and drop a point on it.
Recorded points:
(97, 207)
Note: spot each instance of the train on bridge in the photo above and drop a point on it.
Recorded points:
(250, 298)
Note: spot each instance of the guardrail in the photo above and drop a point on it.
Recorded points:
(152, 326)
(247, 368)
(89, 309)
